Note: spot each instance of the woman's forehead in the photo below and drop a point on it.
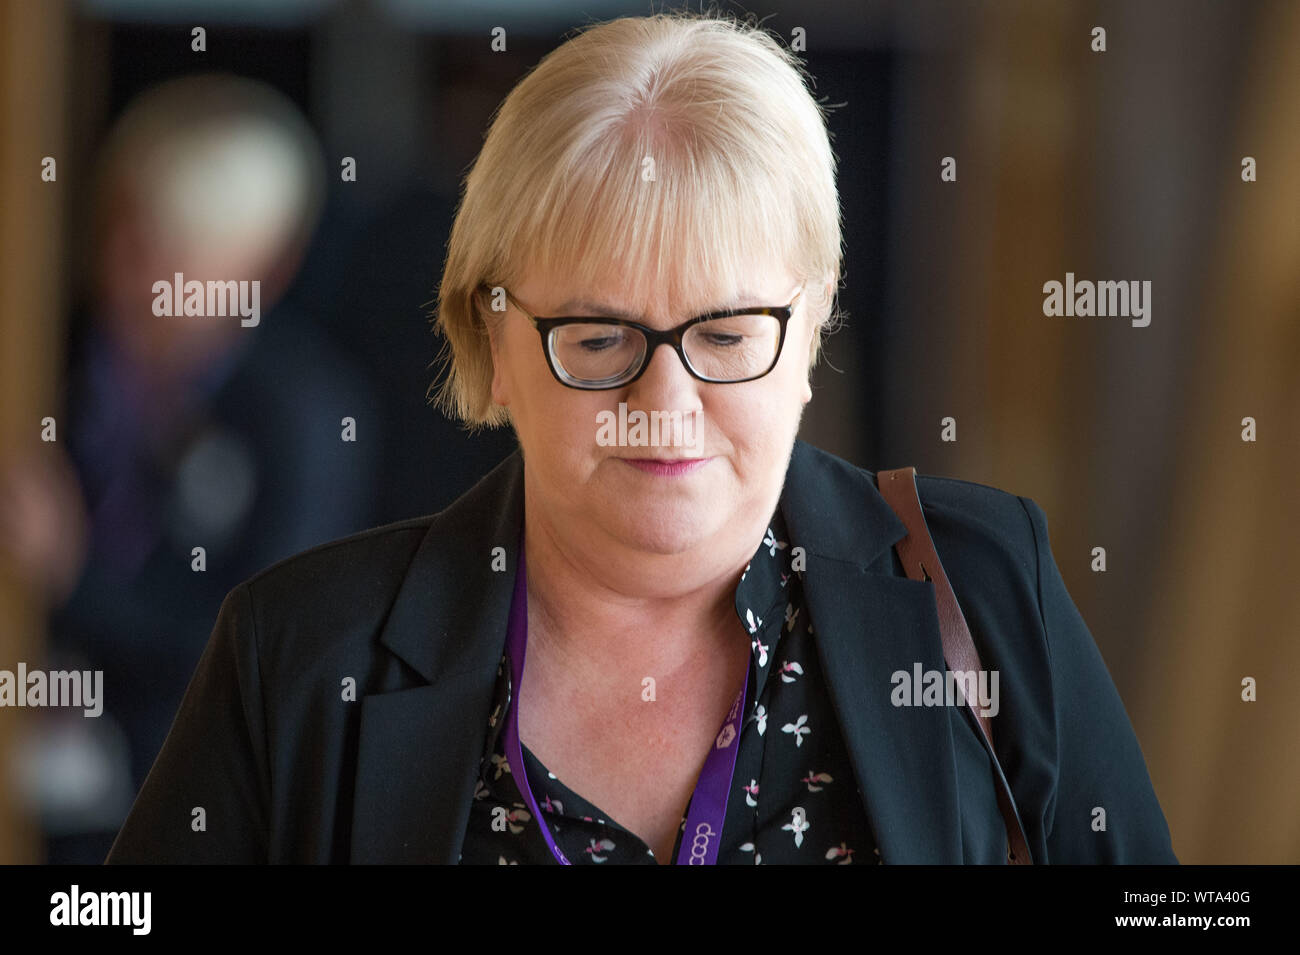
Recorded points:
(612, 292)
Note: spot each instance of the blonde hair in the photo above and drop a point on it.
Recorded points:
(743, 173)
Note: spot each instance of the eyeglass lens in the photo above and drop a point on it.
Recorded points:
(721, 349)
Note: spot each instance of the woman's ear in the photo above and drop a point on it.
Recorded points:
(819, 306)
(494, 323)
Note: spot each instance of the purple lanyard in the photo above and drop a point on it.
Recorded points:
(708, 806)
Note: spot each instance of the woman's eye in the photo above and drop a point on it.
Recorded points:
(601, 343)
(722, 340)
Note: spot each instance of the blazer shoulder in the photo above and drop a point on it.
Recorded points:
(339, 604)
(966, 520)
(326, 606)
(966, 517)
(344, 570)
(980, 506)
(990, 545)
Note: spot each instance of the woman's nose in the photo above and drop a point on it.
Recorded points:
(665, 385)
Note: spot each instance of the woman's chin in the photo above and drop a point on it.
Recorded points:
(666, 533)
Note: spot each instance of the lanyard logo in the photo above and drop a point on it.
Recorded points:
(700, 844)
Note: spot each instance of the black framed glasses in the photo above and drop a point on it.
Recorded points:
(725, 347)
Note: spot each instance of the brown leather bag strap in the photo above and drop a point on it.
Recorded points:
(921, 562)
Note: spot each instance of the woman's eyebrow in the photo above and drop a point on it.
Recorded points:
(593, 308)
(600, 309)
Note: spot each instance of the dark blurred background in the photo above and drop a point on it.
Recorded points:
(1122, 164)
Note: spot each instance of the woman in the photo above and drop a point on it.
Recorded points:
(712, 615)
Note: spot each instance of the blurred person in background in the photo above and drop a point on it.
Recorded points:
(184, 431)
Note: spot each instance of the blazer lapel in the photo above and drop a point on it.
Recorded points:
(869, 623)
(419, 747)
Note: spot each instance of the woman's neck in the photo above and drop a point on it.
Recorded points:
(610, 608)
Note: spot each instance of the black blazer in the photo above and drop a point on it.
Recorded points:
(271, 758)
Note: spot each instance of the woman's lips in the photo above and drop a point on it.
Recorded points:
(667, 467)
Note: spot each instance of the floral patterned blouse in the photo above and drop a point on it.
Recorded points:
(793, 797)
